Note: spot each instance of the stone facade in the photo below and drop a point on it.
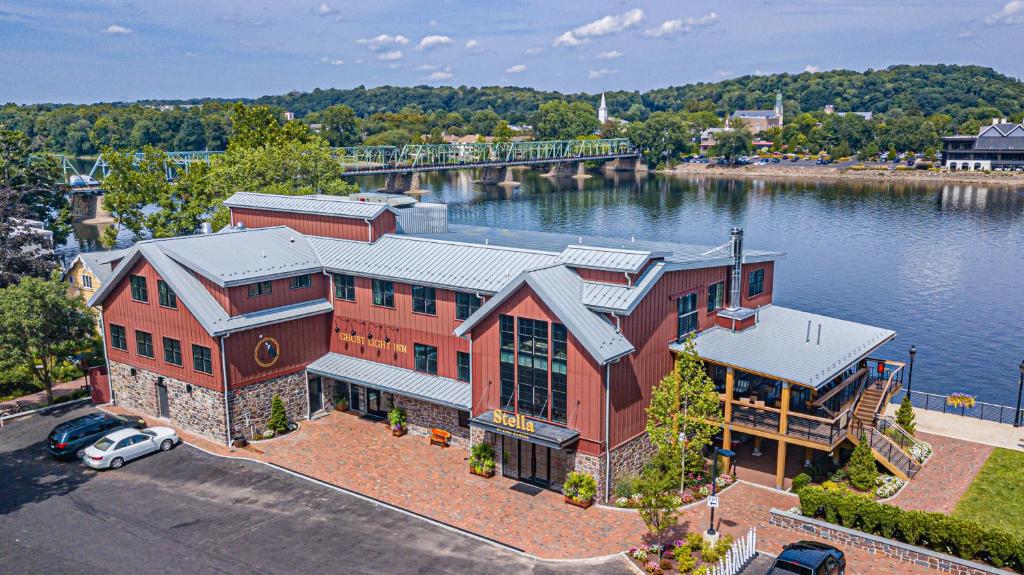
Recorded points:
(478, 435)
(250, 405)
(191, 407)
(630, 458)
(594, 465)
(879, 546)
(422, 416)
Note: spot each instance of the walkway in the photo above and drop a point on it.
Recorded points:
(38, 399)
(966, 428)
(946, 475)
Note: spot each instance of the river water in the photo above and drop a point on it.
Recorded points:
(942, 265)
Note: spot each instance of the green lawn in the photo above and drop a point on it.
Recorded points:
(996, 497)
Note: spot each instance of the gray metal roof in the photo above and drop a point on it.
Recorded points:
(754, 114)
(432, 388)
(785, 344)
(278, 314)
(446, 264)
(621, 298)
(561, 289)
(99, 263)
(244, 256)
(315, 204)
(601, 258)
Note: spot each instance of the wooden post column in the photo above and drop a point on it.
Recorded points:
(730, 381)
(780, 465)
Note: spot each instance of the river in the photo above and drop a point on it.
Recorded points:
(942, 265)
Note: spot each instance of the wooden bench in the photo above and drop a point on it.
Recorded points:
(439, 437)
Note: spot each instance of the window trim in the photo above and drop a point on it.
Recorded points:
(196, 347)
(138, 342)
(750, 283)
(458, 366)
(721, 302)
(416, 347)
(259, 289)
(86, 281)
(293, 281)
(143, 291)
(345, 286)
(123, 337)
(469, 306)
(181, 360)
(166, 291)
(680, 315)
(432, 300)
(382, 283)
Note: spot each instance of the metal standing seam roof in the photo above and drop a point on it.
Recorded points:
(562, 290)
(99, 263)
(617, 260)
(784, 343)
(431, 388)
(618, 298)
(306, 205)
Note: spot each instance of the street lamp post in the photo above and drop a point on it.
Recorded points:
(910, 373)
(712, 534)
(1020, 388)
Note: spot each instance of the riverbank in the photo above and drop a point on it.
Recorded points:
(783, 171)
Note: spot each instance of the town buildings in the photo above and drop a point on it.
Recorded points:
(546, 346)
(758, 121)
(87, 272)
(998, 146)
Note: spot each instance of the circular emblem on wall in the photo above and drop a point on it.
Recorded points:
(267, 352)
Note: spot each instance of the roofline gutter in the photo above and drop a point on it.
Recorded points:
(224, 375)
(274, 322)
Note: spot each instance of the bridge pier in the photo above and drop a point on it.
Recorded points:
(632, 164)
(399, 183)
(88, 207)
(564, 170)
(497, 175)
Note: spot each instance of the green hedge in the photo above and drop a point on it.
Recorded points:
(935, 531)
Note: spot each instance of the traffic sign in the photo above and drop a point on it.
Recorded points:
(713, 501)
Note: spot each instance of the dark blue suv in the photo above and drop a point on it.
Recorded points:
(70, 438)
(809, 558)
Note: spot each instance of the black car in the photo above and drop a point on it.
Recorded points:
(70, 438)
(809, 558)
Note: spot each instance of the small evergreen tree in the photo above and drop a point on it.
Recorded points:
(861, 468)
(278, 421)
(905, 415)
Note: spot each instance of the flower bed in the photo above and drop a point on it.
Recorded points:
(686, 556)
(690, 495)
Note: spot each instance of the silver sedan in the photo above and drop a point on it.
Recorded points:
(114, 449)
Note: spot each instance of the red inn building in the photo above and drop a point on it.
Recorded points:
(545, 345)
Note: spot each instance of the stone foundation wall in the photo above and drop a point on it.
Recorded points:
(630, 458)
(477, 435)
(201, 411)
(422, 416)
(594, 465)
(250, 405)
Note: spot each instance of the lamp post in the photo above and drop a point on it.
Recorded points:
(1020, 388)
(712, 535)
(910, 374)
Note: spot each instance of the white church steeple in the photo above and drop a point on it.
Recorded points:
(602, 111)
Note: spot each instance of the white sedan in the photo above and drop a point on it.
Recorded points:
(114, 449)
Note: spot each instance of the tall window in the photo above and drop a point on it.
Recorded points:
(716, 296)
(426, 358)
(172, 351)
(344, 287)
(508, 361)
(424, 300)
(166, 295)
(559, 365)
(86, 280)
(755, 283)
(139, 292)
(687, 314)
(383, 293)
(118, 339)
(462, 362)
(202, 361)
(303, 281)
(260, 288)
(465, 304)
(144, 343)
(533, 367)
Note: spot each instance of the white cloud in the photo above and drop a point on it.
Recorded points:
(964, 35)
(433, 41)
(425, 67)
(517, 69)
(331, 61)
(393, 55)
(533, 51)
(601, 27)
(379, 42)
(811, 69)
(445, 74)
(471, 43)
(597, 74)
(609, 55)
(324, 9)
(432, 23)
(1012, 13)
(191, 55)
(680, 26)
(118, 30)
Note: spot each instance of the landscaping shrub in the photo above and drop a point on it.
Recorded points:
(801, 481)
(625, 487)
(862, 469)
(905, 415)
(580, 486)
(396, 417)
(278, 422)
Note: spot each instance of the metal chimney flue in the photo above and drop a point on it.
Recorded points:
(736, 234)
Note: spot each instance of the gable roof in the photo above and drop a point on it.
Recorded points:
(99, 264)
(609, 259)
(562, 291)
(316, 204)
(754, 114)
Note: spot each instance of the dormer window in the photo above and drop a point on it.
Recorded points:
(259, 288)
(303, 281)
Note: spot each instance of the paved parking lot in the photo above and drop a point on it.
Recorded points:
(185, 511)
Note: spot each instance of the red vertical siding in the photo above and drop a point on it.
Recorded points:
(220, 294)
(280, 294)
(179, 324)
(603, 276)
(316, 224)
(300, 342)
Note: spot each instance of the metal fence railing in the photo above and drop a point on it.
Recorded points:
(981, 410)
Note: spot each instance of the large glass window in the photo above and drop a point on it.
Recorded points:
(383, 293)
(144, 343)
(426, 358)
(462, 361)
(166, 295)
(139, 291)
(202, 360)
(687, 314)
(716, 296)
(344, 287)
(508, 361)
(172, 351)
(118, 339)
(465, 304)
(755, 283)
(260, 288)
(424, 300)
(533, 367)
(559, 369)
(303, 281)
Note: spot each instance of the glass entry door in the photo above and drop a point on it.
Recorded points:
(374, 403)
(527, 462)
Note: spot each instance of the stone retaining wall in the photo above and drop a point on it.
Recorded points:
(630, 458)
(880, 546)
(200, 411)
(254, 400)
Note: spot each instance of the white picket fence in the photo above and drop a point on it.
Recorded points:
(739, 554)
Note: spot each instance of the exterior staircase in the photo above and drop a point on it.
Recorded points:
(890, 444)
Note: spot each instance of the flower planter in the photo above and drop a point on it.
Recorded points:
(580, 504)
(485, 474)
(341, 408)
(399, 432)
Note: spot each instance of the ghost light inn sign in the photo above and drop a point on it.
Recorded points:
(377, 343)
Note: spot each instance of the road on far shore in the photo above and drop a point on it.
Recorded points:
(185, 511)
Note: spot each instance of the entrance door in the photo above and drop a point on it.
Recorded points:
(162, 401)
(374, 405)
(527, 462)
(355, 397)
(316, 395)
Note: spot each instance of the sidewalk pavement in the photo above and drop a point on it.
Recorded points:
(966, 428)
(38, 399)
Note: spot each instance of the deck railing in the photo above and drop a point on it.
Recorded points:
(981, 410)
(885, 446)
(817, 429)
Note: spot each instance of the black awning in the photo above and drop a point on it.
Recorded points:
(530, 430)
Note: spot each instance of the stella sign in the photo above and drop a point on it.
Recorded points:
(377, 343)
(513, 422)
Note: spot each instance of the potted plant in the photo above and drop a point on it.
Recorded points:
(481, 460)
(579, 489)
(396, 417)
(341, 404)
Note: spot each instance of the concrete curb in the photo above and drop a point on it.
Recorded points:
(683, 507)
(43, 409)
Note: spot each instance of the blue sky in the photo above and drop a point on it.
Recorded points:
(119, 50)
